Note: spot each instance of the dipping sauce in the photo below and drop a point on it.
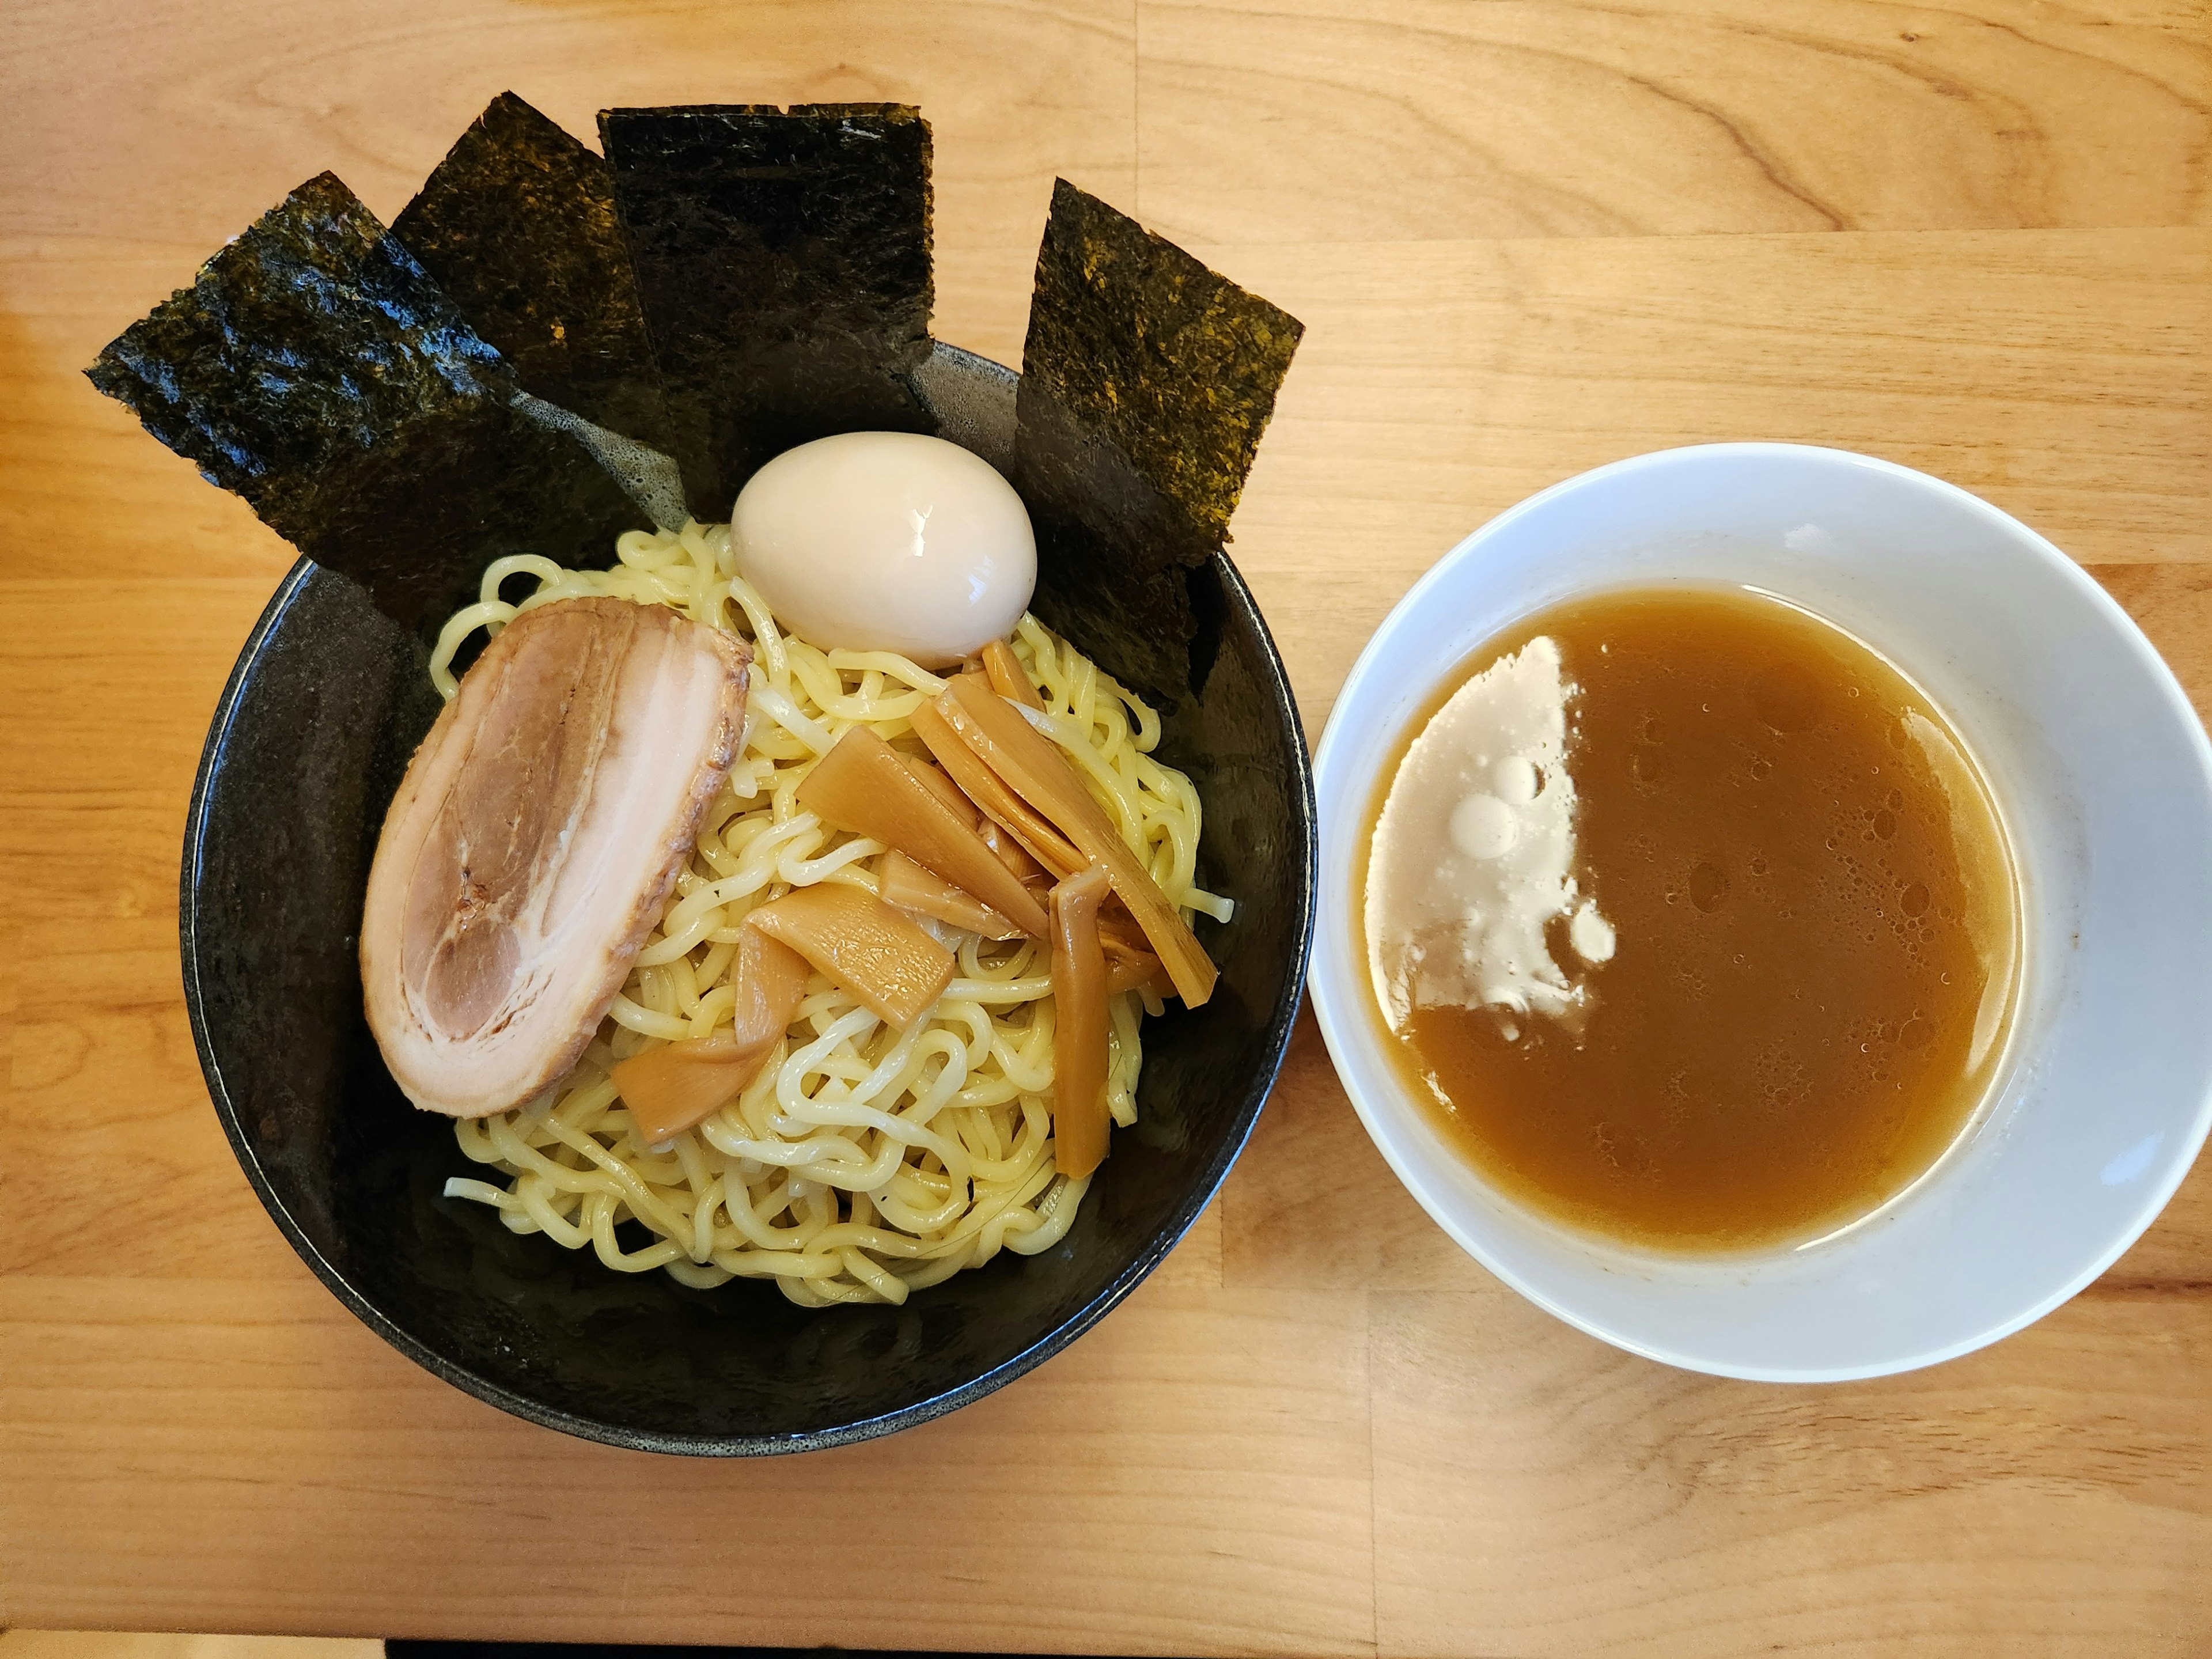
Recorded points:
(1693, 920)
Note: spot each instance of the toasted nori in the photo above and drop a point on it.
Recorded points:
(783, 263)
(1147, 381)
(315, 370)
(518, 225)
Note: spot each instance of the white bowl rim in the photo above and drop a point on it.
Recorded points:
(1332, 1020)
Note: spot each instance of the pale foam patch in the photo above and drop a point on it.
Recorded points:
(1474, 853)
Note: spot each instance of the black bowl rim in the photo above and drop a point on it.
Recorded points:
(1202, 1192)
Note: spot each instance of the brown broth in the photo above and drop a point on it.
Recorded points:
(1817, 926)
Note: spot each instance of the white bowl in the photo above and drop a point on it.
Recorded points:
(2103, 776)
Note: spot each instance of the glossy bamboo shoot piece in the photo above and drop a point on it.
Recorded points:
(902, 881)
(935, 779)
(997, 734)
(670, 1087)
(879, 954)
(1053, 851)
(1118, 929)
(1079, 1118)
(1130, 963)
(1010, 853)
(1007, 675)
(1134, 970)
(1026, 869)
(862, 786)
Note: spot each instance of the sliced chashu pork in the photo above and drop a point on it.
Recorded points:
(532, 846)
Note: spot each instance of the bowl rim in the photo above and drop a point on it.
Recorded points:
(1338, 1023)
(1275, 1041)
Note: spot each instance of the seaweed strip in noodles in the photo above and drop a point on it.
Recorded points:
(1146, 382)
(315, 370)
(518, 225)
(783, 264)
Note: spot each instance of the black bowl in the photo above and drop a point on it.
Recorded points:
(327, 701)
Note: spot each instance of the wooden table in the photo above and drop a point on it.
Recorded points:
(1526, 237)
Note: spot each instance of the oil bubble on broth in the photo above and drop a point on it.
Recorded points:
(1692, 921)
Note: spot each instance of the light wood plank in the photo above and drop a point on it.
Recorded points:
(242, 1456)
(1303, 120)
(1312, 1203)
(196, 1435)
(2066, 376)
(107, 1644)
(1567, 360)
(2173, 604)
(1539, 1494)
(181, 121)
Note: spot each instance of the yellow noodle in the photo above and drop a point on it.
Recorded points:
(862, 1163)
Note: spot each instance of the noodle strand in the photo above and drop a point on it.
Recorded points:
(862, 1163)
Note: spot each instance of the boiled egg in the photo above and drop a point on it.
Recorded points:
(887, 541)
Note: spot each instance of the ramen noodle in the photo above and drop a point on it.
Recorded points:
(862, 1162)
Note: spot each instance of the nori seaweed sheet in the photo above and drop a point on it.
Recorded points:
(733, 281)
(1146, 382)
(315, 370)
(783, 263)
(518, 225)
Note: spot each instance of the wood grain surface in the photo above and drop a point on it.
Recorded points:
(1527, 237)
